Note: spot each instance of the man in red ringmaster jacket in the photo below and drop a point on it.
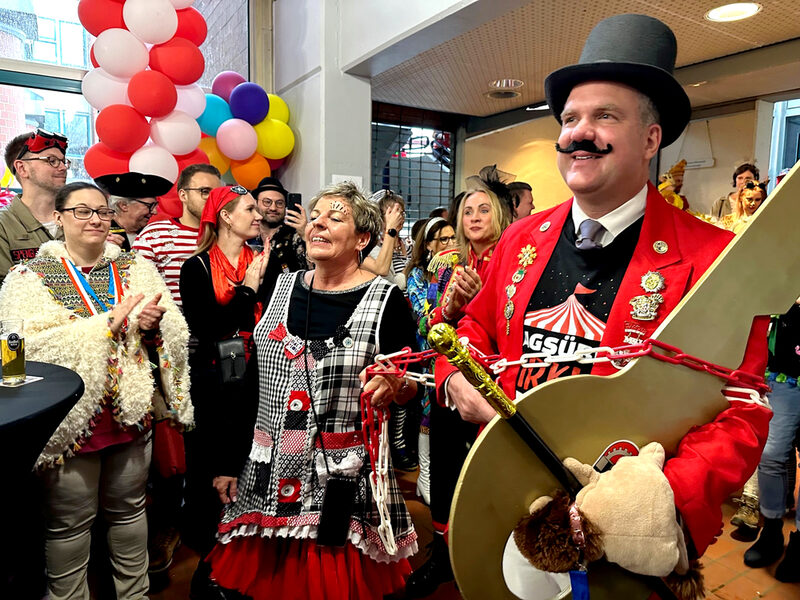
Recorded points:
(606, 267)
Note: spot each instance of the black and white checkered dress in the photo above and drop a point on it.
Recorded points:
(283, 481)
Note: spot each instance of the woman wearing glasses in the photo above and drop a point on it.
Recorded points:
(222, 293)
(749, 199)
(436, 236)
(481, 218)
(107, 315)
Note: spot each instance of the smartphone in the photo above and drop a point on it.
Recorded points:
(293, 202)
(337, 508)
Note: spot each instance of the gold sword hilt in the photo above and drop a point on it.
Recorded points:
(444, 339)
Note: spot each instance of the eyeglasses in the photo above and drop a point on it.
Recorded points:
(84, 213)
(269, 202)
(151, 206)
(751, 185)
(53, 161)
(446, 239)
(204, 191)
(237, 189)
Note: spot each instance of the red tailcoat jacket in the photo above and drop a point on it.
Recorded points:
(712, 460)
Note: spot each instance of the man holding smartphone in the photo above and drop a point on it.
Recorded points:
(282, 229)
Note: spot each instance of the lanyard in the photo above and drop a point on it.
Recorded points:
(86, 292)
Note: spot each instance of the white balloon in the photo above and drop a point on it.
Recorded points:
(178, 133)
(120, 53)
(179, 4)
(191, 100)
(152, 21)
(101, 89)
(154, 160)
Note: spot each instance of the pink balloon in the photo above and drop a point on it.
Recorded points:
(154, 160)
(224, 83)
(177, 133)
(102, 89)
(191, 100)
(237, 139)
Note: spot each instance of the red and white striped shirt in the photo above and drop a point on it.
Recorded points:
(167, 244)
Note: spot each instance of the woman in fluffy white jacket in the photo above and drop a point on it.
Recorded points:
(107, 315)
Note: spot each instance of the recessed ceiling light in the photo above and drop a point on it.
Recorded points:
(543, 106)
(502, 94)
(698, 84)
(506, 84)
(733, 12)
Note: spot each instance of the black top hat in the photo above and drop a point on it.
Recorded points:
(269, 183)
(638, 51)
(134, 185)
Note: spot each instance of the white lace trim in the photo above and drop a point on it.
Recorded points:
(310, 532)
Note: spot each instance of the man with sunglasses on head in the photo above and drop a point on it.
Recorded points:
(132, 197)
(38, 161)
(168, 243)
(282, 231)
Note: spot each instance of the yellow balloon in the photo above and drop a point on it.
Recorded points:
(215, 156)
(275, 138)
(277, 108)
(7, 178)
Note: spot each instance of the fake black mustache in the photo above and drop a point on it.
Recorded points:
(585, 146)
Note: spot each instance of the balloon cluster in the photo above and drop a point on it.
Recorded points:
(147, 60)
(246, 129)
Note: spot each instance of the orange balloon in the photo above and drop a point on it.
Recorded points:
(249, 172)
(215, 156)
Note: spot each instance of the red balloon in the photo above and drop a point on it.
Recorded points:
(102, 160)
(179, 59)
(95, 64)
(169, 205)
(152, 93)
(276, 163)
(193, 158)
(122, 128)
(192, 26)
(98, 15)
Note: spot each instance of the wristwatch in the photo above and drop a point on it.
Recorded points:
(392, 232)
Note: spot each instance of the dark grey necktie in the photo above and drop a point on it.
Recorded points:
(589, 232)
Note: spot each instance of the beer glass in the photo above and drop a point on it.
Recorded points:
(12, 347)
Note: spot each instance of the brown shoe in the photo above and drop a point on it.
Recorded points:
(747, 516)
(162, 548)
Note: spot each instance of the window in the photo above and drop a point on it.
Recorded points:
(415, 163)
(47, 38)
(24, 109)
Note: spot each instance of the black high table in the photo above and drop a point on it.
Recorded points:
(29, 414)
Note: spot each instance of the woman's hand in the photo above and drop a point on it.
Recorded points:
(466, 285)
(384, 388)
(256, 270)
(395, 217)
(122, 310)
(297, 219)
(150, 317)
(227, 488)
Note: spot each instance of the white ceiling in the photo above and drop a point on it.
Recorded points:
(540, 36)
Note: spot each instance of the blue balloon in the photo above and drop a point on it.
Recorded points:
(249, 102)
(216, 113)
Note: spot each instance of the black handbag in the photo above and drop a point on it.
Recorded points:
(231, 361)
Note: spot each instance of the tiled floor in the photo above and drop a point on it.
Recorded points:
(727, 578)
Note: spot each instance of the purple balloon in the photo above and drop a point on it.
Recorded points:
(249, 102)
(224, 83)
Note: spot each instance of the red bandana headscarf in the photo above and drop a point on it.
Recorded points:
(224, 275)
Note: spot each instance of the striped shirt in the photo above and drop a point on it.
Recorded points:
(167, 244)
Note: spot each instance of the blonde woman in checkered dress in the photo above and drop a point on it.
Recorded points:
(320, 331)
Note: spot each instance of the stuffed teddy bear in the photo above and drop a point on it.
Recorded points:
(627, 514)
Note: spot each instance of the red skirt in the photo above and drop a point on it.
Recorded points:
(292, 569)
